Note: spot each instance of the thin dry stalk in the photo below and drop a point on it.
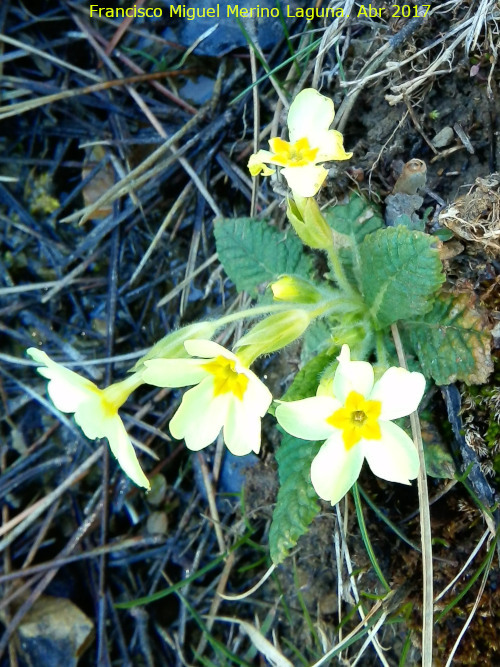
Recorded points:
(425, 524)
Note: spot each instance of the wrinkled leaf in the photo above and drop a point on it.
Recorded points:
(452, 341)
(353, 221)
(316, 339)
(438, 459)
(253, 253)
(400, 273)
(439, 462)
(305, 383)
(297, 502)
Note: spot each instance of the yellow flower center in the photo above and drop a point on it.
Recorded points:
(357, 420)
(107, 402)
(226, 379)
(298, 154)
(114, 396)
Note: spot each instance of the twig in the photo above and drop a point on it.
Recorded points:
(214, 512)
(28, 105)
(378, 58)
(18, 524)
(216, 601)
(178, 288)
(256, 126)
(42, 585)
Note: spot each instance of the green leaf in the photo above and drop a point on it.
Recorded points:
(297, 502)
(317, 338)
(400, 273)
(354, 220)
(439, 462)
(452, 341)
(305, 383)
(253, 253)
(350, 224)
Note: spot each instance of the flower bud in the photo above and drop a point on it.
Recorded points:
(273, 333)
(295, 290)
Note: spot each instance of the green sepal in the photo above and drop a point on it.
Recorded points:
(297, 502)
(171, 346)
(305, 217)
(295, 289)
(274, 332)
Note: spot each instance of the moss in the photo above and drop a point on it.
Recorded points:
(481, 417)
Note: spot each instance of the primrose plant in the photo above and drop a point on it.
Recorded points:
(337, 412)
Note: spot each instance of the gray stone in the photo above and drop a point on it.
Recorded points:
(54, 633)
(443, 138)
(227, 34)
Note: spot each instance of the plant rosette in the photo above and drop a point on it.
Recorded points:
(356, 423)
(311, 142)
(95, 410)
(227, 396)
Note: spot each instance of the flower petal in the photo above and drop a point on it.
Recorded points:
(309, 113)
(335, 469)
(92, 419)
(124, 452)
(67, 389)
(352, 376)
(307, 418)
(242, 428)
(173, 372)
(331, 146)
(207, 349)
(399, 391)
(305, 181)
(394, 457)
(200, 416)
(257, 394)
(256, 163)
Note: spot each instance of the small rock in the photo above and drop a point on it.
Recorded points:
(157, 523)
(443, 138)
(232, 473)
(400, 209)
(54, 633)
(222, 33)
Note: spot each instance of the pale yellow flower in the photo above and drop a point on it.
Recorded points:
(227, 396)
(355, 423)
(311, 142)
(95, 410)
